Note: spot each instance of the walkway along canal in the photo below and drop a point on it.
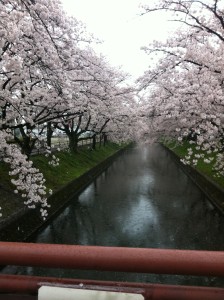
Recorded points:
(143, 199)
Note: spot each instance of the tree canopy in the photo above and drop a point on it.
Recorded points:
(52, 79)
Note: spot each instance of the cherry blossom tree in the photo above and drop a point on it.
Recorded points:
(50, 76)
(185, 88)
(101, 89)
(35, 66)
(38, 48)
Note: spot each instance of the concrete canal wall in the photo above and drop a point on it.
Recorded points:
(212, 191)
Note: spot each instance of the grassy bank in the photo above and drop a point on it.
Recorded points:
(71, 166)
(206, 169)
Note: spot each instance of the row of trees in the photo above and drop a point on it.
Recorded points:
(50, 78)
(183, 91)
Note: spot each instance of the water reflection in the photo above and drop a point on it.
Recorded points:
(138, 219)
(143, 200)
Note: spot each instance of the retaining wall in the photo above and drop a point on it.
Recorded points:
(212, 191)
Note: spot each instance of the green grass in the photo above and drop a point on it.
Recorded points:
(207, 169)
(4, 176)
(71, 165)
(9, 202)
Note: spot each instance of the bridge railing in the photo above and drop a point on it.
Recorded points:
(119, 259)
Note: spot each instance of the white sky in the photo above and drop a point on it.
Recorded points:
(116, 23)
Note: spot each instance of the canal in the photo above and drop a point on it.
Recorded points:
(143, 199)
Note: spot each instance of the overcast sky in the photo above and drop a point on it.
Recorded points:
(117, 23)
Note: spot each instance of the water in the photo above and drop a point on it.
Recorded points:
(142, 200)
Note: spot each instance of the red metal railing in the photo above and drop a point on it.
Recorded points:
(160, 261)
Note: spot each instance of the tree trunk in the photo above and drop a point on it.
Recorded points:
(101, 137)
(25, 142)
(73, 143)
(26, 145)
(94, 142)
(49, 134)
(104, 139)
